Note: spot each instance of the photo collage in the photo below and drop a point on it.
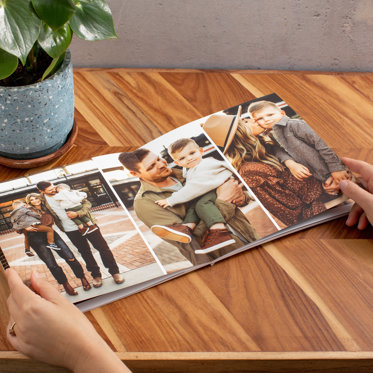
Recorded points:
(195, 195)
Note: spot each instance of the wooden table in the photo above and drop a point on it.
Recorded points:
(301, 302)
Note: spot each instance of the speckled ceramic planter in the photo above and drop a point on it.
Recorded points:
(35, 120)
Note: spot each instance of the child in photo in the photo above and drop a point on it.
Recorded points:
(203, 176)
(21, 217)
(306, 154)
(70, 200)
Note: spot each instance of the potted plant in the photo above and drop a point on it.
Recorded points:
(36, 84)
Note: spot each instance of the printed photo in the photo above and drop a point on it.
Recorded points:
(188, 200)
(288, 167)
(68, 225)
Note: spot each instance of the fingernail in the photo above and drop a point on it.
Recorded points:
(343, 184)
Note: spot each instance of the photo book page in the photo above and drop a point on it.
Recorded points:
(109, 227)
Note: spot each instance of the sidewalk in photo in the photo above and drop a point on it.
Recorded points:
(132, 278)
(125, 242)
(167, 253)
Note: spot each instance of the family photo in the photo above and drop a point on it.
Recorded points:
(280, 158)
(71, 228)
(189, 199)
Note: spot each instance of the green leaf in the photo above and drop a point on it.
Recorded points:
(55, 42)
(53, 67)
(55, 13)
(8, 64)
(93, 20)
(19, 27)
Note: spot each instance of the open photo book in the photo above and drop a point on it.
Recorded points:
(117, 224)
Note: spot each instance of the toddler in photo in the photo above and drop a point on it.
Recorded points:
(70, 200)
(203, 176)
(306, 154)
(22, 217)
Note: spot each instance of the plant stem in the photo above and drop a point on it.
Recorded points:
(32, 57)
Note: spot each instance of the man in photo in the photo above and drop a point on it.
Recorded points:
(159, 182)
(70, 200)
(63, 220)
(202, 177)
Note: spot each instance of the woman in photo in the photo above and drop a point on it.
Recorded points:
(288, 199)
(38, 242)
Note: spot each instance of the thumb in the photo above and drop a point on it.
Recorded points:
(358, 194)
(45, 289)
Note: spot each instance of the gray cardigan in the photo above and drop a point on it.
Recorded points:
(23, 218)
(304, 146)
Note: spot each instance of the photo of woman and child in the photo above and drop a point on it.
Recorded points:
(31, 218)
(68, 224)
(23, 217)
(282, 160)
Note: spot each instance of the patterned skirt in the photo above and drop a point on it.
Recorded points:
(288, 199)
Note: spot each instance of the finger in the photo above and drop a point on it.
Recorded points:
(45, 289)
(354, 215)
(329, 188)
(299, 176)
(14, 308)
(359, 195)
(328, 181)
(14, 341)
(17, 288)
(11, 326)
(11, 338)
(305, 174)
(361, 167)
(363, 222)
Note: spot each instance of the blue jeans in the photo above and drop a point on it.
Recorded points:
(38, 242)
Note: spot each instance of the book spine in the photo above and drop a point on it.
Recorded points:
(3, 260)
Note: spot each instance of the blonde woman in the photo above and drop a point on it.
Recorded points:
(38, 242)
(285, 197)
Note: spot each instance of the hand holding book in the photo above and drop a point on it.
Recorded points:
(362, 211)
(239, 169)
(47, 327)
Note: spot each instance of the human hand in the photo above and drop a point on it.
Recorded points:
(330, 186)
(340, 175)
(230, 191)
(298, 170)
(72, 214)
(49, 328)
(163, 203)
(362, 211)
(31, 228)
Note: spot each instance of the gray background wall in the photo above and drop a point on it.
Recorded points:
(333, 35)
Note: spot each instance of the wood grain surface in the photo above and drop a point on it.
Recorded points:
(300, 303)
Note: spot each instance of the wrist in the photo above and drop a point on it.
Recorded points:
(91, 356)
(289, 162)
